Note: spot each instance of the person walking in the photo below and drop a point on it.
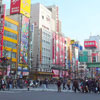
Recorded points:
(76, 85)
(59, 85)
(68, 83)
(99, 86)
(64, 84)
(3, 84)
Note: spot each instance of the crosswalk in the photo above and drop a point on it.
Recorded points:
(37, 89)
(11, 92)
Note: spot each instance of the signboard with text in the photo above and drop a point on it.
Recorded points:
(2, 20)
(90, 44)
(15, 6)
(20, 6)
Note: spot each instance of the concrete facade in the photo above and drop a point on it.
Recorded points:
(41, 17)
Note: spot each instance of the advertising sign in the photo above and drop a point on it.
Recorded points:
(20, 6)
(90, 44)
(25, 7)
(24, 39)
(15, 6)
(8, 70)
(2, 19)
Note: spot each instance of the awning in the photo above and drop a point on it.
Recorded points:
(61, 73)
(45, 73)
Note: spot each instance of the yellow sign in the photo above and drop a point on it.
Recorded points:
(72, 41)
(25, 7)
(23, 65)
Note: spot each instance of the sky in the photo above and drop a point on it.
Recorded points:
(80, 18)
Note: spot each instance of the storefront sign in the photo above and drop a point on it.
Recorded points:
(2, 20)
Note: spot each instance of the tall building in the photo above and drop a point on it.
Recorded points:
(55, 16)
(20, 12)
(41, 17)
(0, 1)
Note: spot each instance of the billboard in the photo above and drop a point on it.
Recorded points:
(90, 44)
(20, 6)
(2, 19)
(15, 6)
(25, 7)
(24, 39)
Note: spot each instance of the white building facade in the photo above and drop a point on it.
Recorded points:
(42, 38)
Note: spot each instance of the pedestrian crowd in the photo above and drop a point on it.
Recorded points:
(9, 83)
(80, 85)
(86, 85)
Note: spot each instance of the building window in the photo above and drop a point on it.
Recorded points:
(94, 58)
(8, 54)
(10, 35)
(10, 25)
(42, 17)
(9, 44)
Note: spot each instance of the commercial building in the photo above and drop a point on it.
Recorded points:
(48, 42)
(41, 17)
(9, 45)
(10, 40)
(93, 46)
(20, 12)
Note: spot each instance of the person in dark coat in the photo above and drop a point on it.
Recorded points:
(59, 85)
(76, 85)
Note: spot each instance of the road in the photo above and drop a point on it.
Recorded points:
(46, 95)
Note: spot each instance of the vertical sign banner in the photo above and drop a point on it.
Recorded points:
(2, 19)
(40, 46)
(8, 70)
(15, 6)
(25, 7)
(53, 48)
(24, 39)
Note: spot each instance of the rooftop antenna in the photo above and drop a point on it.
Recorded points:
(91, 34)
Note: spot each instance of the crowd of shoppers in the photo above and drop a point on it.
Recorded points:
(9, 83)
(86, 85)
(81, 85)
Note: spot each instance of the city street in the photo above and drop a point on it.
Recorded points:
(46, 95)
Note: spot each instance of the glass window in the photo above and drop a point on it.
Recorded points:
(10, 35)
(9, 44)
(10, 25)
(8, 54)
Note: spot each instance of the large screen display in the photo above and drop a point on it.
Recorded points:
(24, 39)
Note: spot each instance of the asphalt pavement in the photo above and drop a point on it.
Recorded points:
(46, 95)
(49, 93)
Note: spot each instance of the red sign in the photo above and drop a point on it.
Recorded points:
(90, 44)
(2, 20)
(56, 73)
(15, 7)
